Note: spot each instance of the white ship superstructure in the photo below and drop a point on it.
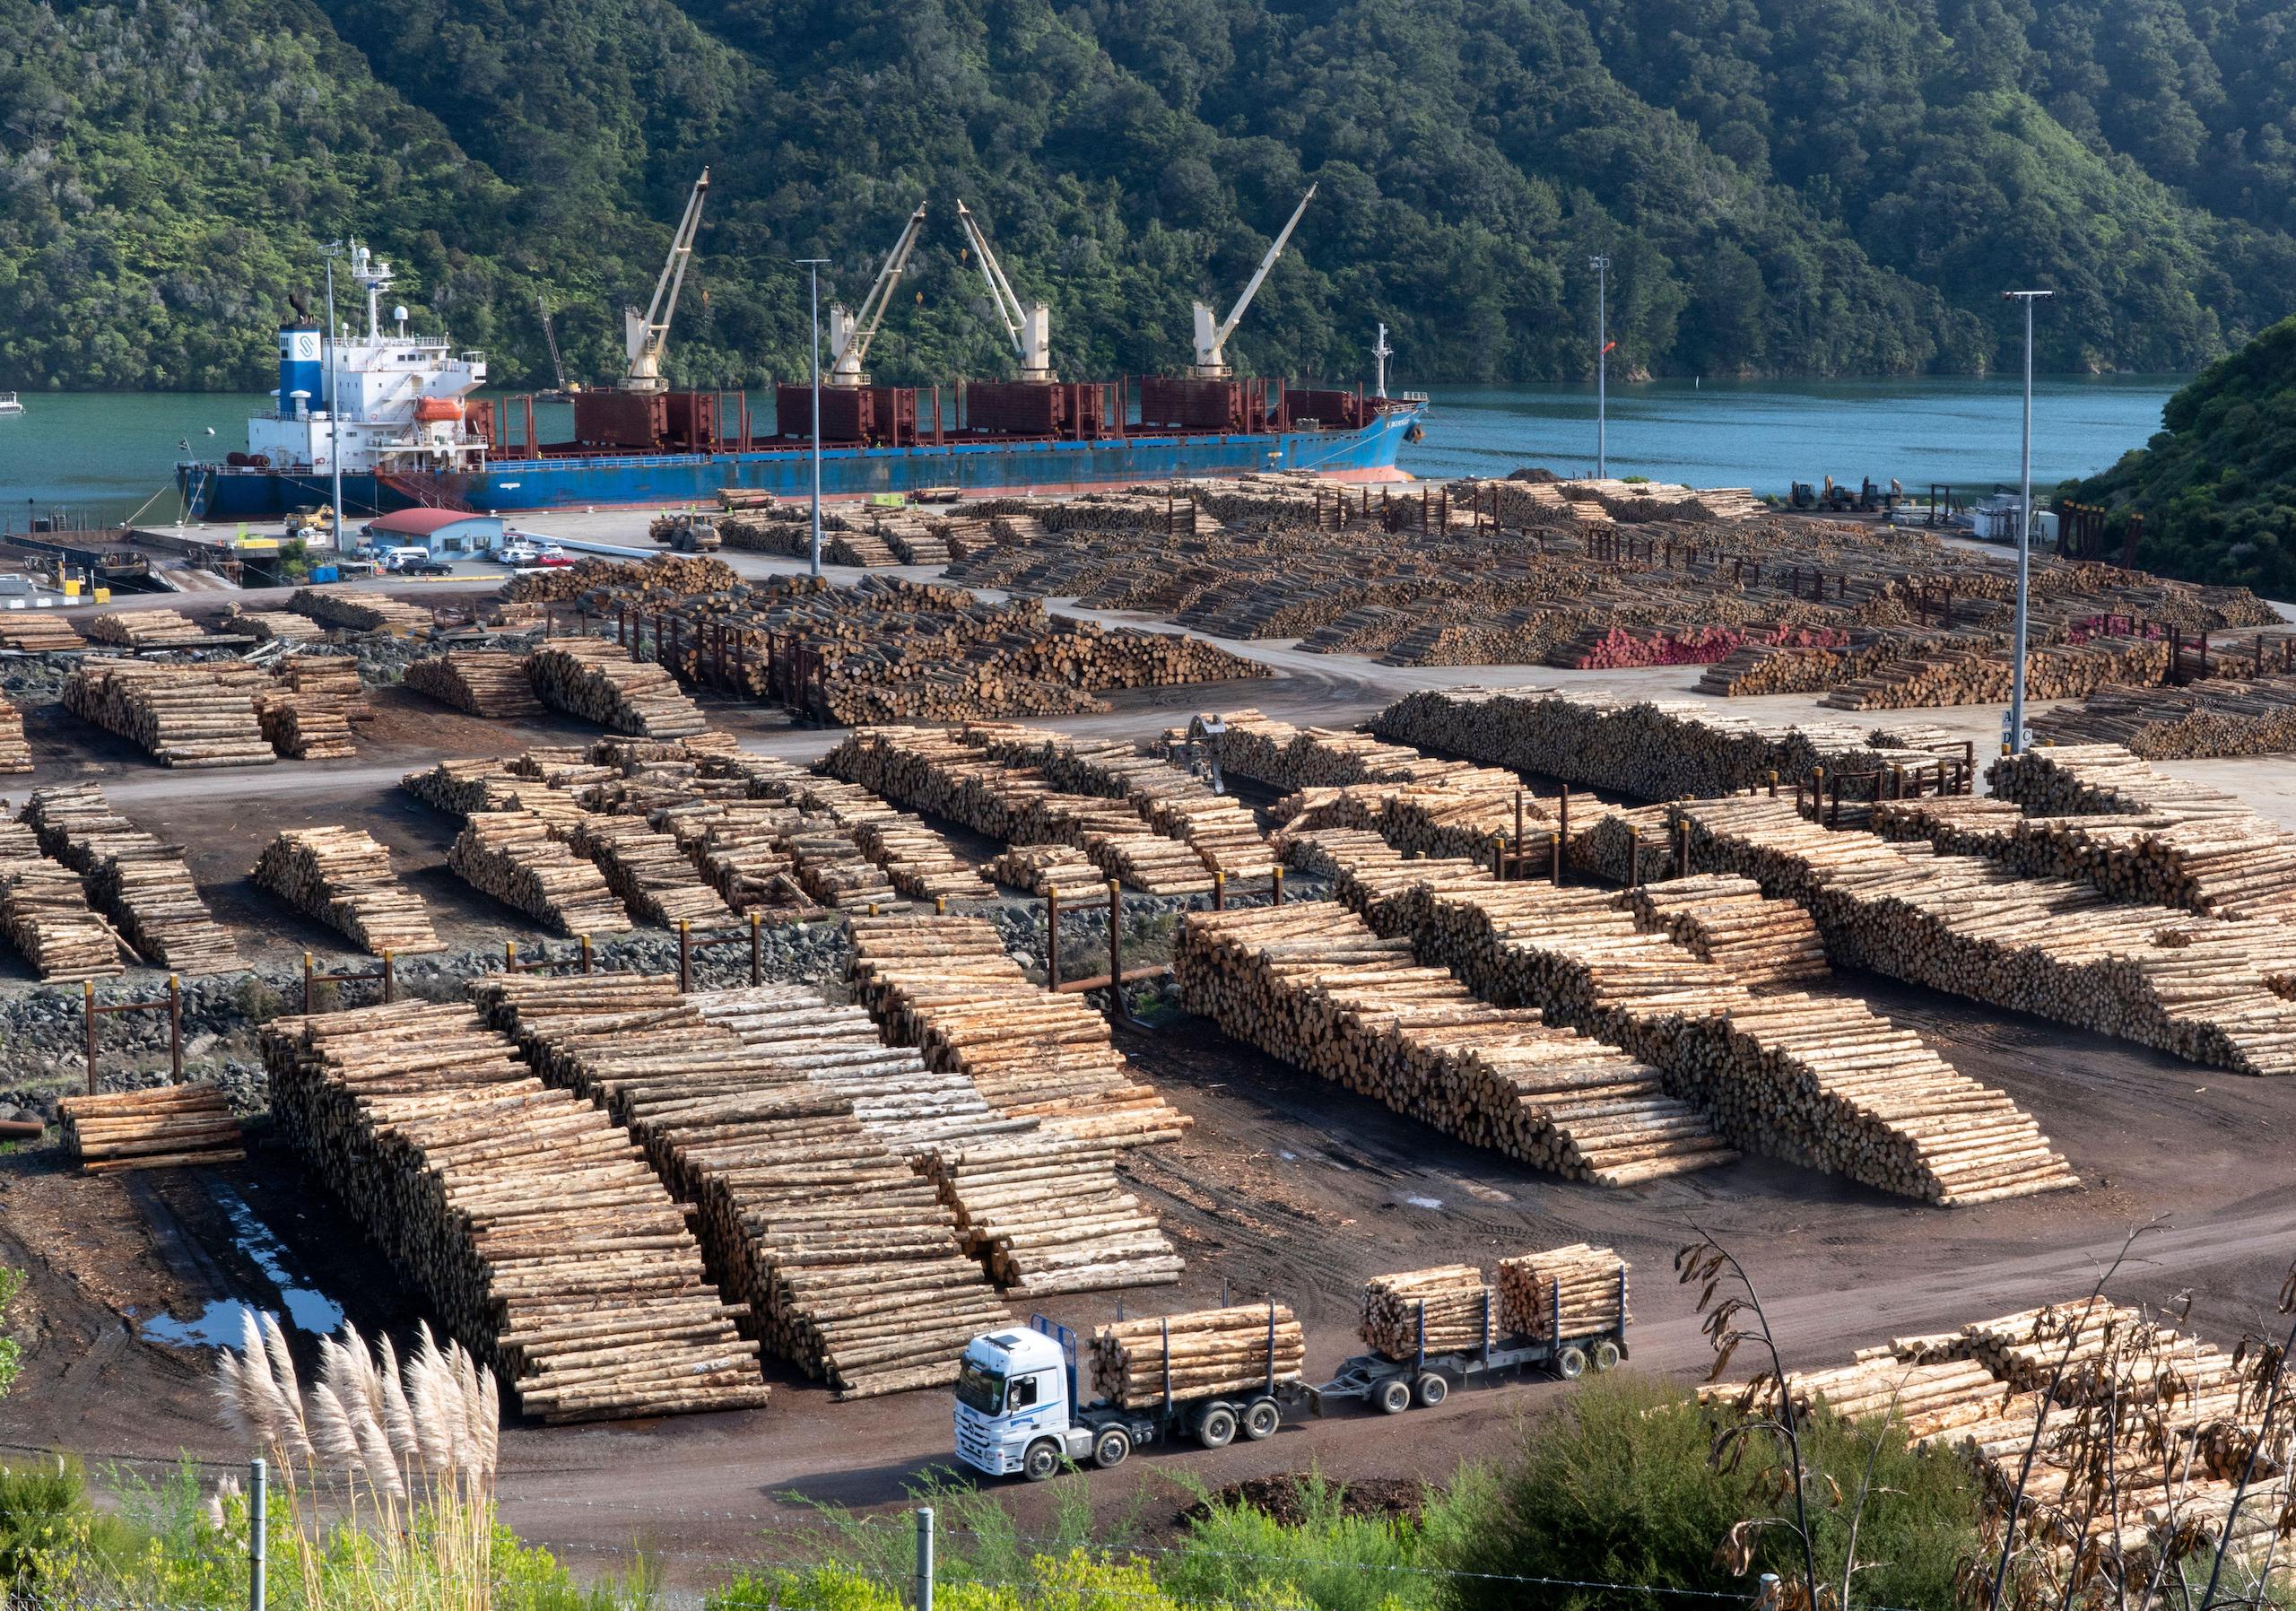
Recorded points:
(390, 404)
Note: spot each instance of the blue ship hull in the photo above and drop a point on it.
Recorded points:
(508, 486)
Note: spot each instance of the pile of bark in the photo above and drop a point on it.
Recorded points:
(342, 877)
(536, 1233)
(170, 1126)
(15, 749)
(485, 682)
(1246, 1349)
(848, 1262)
(188, 715)
(516, 857)
(361, 610)
(43, 911)
(134, 878)
(599, 682)
(144, 629)
(1312, 985)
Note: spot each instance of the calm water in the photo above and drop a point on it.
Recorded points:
(102, 456)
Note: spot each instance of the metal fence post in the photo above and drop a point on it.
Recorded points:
(757, 948)
(88, 1001)
(175, 1030)
(257, 1495)
(685, 957)
(923, 1558)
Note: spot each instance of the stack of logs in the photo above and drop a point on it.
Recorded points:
(648, 871)
(342, 877)
(144, 629)
(2217, 716)
(599, 682)
(15, 749)
(268, 624)
(45, 913)
(1446, 1310)
(37, 632)
(140, 882)
(304, 727)
(514, 856)
(166, 1126)
(1248, 1349)
(525, 1216)
(492, 682)
(1585, 1286)
(1727, 921)
(360, 610)
(183, 714)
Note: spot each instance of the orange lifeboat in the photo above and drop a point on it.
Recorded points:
(438, 410)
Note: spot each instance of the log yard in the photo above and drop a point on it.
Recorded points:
(1213, 951)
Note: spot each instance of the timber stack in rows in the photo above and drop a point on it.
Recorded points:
(599, 682)
(1727, 921)
(485, 682)
(45, 913)
(166, 1126)
(141, 884)
(189, 716)
(342, 877)
(848, 1262)
(516, 857)
(361, 610)
(1315, 988)
(2220, 717)
(648, 871)
(526, 1218)
(146, 628)
(304, 727)
(1248, 1348)
(15, 749)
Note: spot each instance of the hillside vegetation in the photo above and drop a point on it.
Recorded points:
(1803, 187)
(2217, 486)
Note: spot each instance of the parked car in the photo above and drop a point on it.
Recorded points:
(552, 554)
(518, 553)
(414, 561)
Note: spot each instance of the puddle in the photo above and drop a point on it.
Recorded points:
(1287, 1157)
(220, 1324)
(1419, 1202)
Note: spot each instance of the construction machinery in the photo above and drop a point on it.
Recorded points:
(687, 532)
(850, 334)
(1029, 326)
(1212, 339)
(647, 335)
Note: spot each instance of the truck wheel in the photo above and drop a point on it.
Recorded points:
(1111, 1447)
(1041, 1461)
(1431, 1388)
(1393, 1395)
(1571, 1364)
(1217, 1429)
(1262, 1417)
(1606, 1355)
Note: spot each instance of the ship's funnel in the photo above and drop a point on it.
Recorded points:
(299, 361)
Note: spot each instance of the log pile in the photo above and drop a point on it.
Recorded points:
(327, 676)
(182, 715)
(1819, 1081)
(536, 1233)
(2218, 717)
(342, 877)
(168, 1127)
(648, 871)
(141, 884)
(15, 749)
(848, 1263)
(361, 610)
(37, 632)
(144, 629)
(1983, 675)
(1727, 921)
(1047, 869)
(599, 682)
(1047, 1213)
(304, 727)
(2200, 988)
(45, 913)
(516, 857)
(1585, 1285)
(463, 787)
(265, 625)
(1447, 1309)
(1314, 987)
(492, 682)
(1137, 1363)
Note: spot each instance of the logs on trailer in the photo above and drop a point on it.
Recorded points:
(15, 749)
(1587, 1286)
(1136, 1362)
(342, 877)
(516, 857)
(144, 629)
(360, 610)
(525, 1216)
(1819, 1081)
(485, 682)
(168, 1126)
(140, 883)
(1727, 921)
(1312, 985)
(647, 870)
(182, 715)
(599, 682)
(2204, 990)
(1452, 1301)
(37, 632)
(848, 1262)
(45, 911)
(305, 726)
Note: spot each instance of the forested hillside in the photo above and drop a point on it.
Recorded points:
(2217, 486)
(1800, 186)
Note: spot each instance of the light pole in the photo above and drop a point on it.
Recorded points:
(331, 251)
(1602, 266)
(813, 268)
(2016, 745)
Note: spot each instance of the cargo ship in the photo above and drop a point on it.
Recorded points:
(387, 420)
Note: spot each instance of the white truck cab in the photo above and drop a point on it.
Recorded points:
(1013, 1402)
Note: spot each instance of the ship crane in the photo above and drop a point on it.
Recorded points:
(850, 334)
(647, 335)
(1212, 340)
(1029, 326)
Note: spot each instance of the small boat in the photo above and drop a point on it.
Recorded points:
(8, 403)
